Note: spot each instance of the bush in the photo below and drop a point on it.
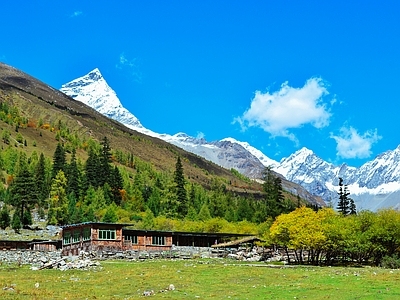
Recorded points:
(391, 262)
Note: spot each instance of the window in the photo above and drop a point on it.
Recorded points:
(132, 238)
(67, 238)
(107, 234)
(86, 234)
(76, 236)
(158, 240)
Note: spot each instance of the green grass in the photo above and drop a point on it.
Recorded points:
(199, 279)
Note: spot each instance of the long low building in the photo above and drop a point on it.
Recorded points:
(98, 236)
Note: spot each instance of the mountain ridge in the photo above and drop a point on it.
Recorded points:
(373, 179)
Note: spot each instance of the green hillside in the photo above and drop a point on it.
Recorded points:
(37, 119)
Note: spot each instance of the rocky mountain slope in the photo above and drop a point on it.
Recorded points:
(374, 185)
(93, 90)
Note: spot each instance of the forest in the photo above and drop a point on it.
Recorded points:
(110, 185)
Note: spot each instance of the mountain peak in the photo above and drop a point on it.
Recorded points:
(93, 90)
(94, 74)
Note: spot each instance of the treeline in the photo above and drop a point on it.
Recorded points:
(329, 237)
(112, 186)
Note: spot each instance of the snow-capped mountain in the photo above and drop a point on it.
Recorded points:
(374, 185)
(94, 91)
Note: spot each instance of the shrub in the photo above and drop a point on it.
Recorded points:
(390, 262)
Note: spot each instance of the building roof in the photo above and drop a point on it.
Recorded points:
(95, 223)
(237, 242)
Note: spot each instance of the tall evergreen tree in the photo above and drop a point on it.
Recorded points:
(92, 169)
(274, 195)
(59, 160)
(345, 202)
(117, 185)
(41, 183)
(16, 222)
(105, 171)
(180, 190)
(73, 176)
(23, 190)
(5, 219)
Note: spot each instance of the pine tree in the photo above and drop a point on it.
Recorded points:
(180, 190)
(274, 194)
(73, 176)
(105, 160)
(16, 222)
(345, 205)
(352, 207)
(59, 160)
(23, 189)
(92, 169)
(42, 187)
(117, 185)
(5, 219)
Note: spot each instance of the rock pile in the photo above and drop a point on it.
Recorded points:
(47, 260)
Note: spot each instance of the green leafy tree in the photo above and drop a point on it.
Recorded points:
(110, 216)
(6, 136)
(204, 213)
(58, 202)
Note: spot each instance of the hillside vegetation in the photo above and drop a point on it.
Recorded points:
(68, 163)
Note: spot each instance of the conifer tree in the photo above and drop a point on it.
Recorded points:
(16, 222)
(42, 187)
(274, 195)
(23, 190)
(345, 205)
(5, 219)
(59, 160)
(73, 176)
(180, 190)
(92, 169)
(117, 185)
(105, 160)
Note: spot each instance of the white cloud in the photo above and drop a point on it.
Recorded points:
(76, 14)
(288, 108)
(351, 144)
(132, 65)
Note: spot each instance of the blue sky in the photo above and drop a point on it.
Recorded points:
(280, 75)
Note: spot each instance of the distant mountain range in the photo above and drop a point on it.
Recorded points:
(373, 186)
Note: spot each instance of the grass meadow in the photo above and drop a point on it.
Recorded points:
(199, 279)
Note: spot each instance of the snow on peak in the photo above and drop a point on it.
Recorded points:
(93, 90)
